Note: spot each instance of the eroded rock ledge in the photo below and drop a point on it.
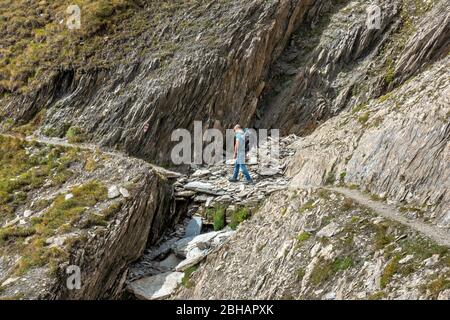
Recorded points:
(78, 207)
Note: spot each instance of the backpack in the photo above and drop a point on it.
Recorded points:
(247, 139)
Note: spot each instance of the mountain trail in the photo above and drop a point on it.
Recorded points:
(440, 236)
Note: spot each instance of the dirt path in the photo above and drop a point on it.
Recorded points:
(440, 236)
(92, 147)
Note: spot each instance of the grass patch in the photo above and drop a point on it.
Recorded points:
(26, 166)
(376, 296)
(300, 273)
(325, 269)
(436, 286)
(347, 205)
(321, 272)
(304, 236)
(28, 128)
(60, 218)
(342, 263)
(362, 119)
(75, 135)
(218, 215)
(359, 108)
(376, 197)
(391, 268)
(239, 216)
(307, 206)
(382, 238)
(186, 281)
(342, 177)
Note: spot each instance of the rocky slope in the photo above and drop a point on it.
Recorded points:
(395, 147)
(318, 244)
(389, 140)
(368, 110)
(334, 61)
(61, 206)
(212, 69)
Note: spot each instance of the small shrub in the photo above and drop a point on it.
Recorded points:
(342, 263)
(362, 119)
(186, 281)
(300, 273)
(321, 272)
(218, 216)
(238, 217)
(389, 271)
(348, 204)
(342, 177)
(390, 72)
(307, 206)
(438, 285)
(219, 219)
(376, 296)
(359, 107)
(381, 237)
(75, 135)
(304, 236)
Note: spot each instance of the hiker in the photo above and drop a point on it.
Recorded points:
(239, 155)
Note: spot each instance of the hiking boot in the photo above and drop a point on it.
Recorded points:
(251, 182)
(233, 180)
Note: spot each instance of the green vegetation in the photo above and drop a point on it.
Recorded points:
(304, 236)
(390, 71)
(239, 216)
(75, 135)
(439, 284)
(424, 249)
(410, 12)
(376, 197)
(330, 178)
(300, 273)
(348, 204)
(382, 238)
(341, 264)
(417, 210)
(25, 166)
(325, 269)
(219, 219)
(102, 218)
(342, 177)
(28, 128)
(389, 271)
(307, 206)
(359, 108)
(60, 218)
(69, 211)
(362, 119)
(36, 40)
(218, 215)
(377, 296)
(186, 281)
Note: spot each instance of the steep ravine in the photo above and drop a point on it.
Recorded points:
(372, 110)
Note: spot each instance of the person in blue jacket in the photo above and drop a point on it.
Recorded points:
(239, 155)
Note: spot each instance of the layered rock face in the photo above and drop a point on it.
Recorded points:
(308, 244)
(320, 244)
(388, 138)
(371, 106)
(216, 75)
(395, 147)
(68, 209)
(337, 60)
